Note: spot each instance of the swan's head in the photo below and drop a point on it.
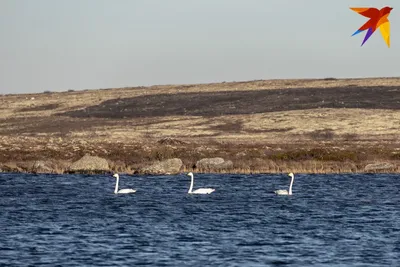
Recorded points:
(291, 174)
(116, 175)
(190, 174)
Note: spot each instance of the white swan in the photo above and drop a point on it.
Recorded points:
(122, 191)
(200, 190)
(285, 192)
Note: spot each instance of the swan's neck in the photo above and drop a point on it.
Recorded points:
(290, 186)
(191, 183)
(116, 186)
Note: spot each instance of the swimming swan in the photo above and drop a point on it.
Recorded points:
(122, 191)
(285, 192)
(200, 190)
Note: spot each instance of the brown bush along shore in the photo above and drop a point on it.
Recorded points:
(264, 126)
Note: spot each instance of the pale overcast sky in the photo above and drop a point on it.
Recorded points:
(58, 45)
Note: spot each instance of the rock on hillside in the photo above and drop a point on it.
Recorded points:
(89, 164)
(41, 166)
(379, 167)
(169, 166)
(214, 164)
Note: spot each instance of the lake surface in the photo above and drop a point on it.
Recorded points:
(76, 220)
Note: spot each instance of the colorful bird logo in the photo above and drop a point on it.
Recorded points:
(377, 19)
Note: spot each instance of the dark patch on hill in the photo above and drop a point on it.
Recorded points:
(211, 104)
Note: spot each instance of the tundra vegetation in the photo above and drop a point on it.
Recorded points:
(264, 126)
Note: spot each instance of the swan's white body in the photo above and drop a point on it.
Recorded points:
(122, 191)
(200, 190)
(285, 192)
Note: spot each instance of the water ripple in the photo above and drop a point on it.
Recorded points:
(74, 220)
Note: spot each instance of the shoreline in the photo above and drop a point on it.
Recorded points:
(233, 172)
(179, 156)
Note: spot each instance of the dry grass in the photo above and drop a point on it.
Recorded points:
(327, 125)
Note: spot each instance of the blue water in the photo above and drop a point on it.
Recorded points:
(76, 220)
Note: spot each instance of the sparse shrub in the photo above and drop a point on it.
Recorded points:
(318, 154)
(325, 134)
(350, 136)
(170, 141)
(40, 108)
(229, 126)
(162, 152)
(254, 153)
